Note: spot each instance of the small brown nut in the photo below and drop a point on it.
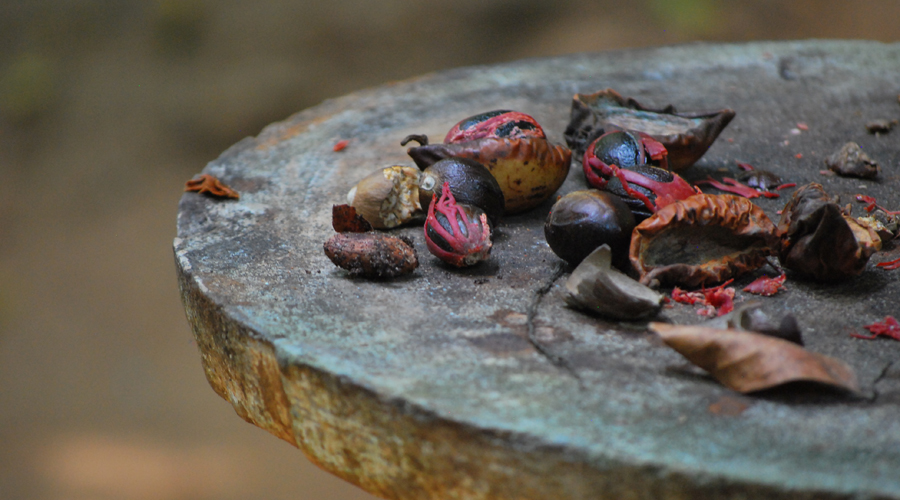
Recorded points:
(372, 255)
(851, 161)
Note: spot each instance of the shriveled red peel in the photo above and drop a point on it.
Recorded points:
(786, 185)
(873, 204)
(717, 301)
(340, 145)
(766, 286)
(732, 186)
(889, 265)
(888, 328)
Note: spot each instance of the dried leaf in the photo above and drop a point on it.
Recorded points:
(749, 362)
(599, 288)
(207, 184)
(344, 219)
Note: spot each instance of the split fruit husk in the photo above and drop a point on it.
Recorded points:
(598, 288)
(749, 362)
(528, 169)
(819, 241)
(686, 136)
(700, 240)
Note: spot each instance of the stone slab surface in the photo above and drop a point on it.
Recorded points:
(480, 383)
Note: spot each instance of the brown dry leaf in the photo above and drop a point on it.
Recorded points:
(748, 361)
(208, 184)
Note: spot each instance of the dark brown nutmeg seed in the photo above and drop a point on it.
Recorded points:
(470, 182)
(372, 255)
(581, 221)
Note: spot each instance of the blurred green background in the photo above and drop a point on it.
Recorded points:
(108, 106)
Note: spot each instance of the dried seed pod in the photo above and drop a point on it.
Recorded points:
(851, 161)
(470, 182)
(702, 239)
(457, 234)
(372, 255)
(581, 221)
(819, 241)
(686, 136)
(598, 288)
(512, 146)
(389, 197)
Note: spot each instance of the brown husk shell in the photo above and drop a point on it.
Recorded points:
(529, 170)
(702, 239)
(686, 136)
(749, 362)
(819, 241)
(598, 288)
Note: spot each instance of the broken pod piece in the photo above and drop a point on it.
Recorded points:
(819, 241)
(512, 146)
(700, 240)
(686, 136)
(388, 198)
(597, 287)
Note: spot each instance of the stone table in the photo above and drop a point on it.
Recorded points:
(481, 383)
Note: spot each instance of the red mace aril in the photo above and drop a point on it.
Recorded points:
(716, 301)
(634, 167)
(457, 234)
(732, 186)
(888, 328)
(766, 286)
(889, 265)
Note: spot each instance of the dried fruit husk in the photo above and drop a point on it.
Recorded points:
(598, 288)
(749, 362)
(529, 170)
(702, 239)
(686, 136)
(345, 219)
(389, 197)
(819, 241)
(851, 161)
(372, 255)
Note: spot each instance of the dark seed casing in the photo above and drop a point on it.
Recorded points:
(372, 255)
